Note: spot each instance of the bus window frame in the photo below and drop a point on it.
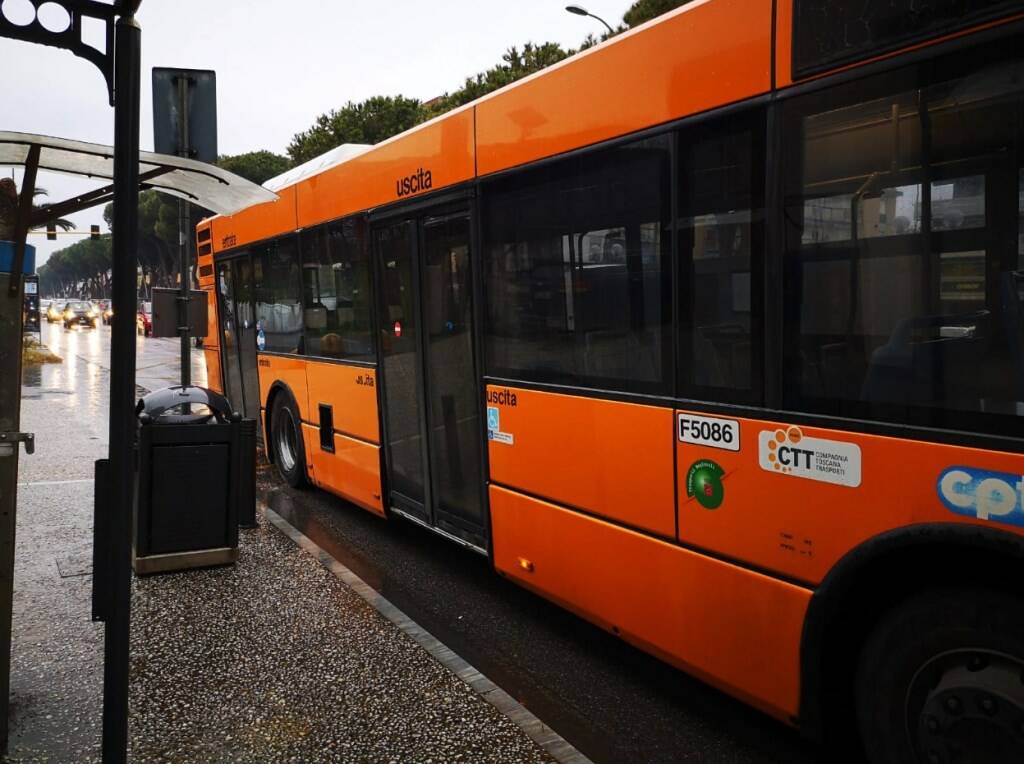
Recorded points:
(802, 71)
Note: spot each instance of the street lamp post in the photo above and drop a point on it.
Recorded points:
(579, 10)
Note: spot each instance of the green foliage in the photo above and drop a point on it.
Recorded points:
(81, 270)
(370, 121)
(158, 236)
(645, 10)
(255, 166)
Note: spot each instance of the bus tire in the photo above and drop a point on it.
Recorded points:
(941, 678)
(286, 440)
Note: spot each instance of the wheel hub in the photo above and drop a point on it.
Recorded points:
(286, 444)
(971, 708)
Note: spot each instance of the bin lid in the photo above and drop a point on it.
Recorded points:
(156, 404)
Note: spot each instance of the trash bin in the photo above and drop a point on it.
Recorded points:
(193, 476)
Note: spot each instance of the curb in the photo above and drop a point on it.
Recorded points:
(554, 744)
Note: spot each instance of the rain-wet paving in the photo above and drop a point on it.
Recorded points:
(611, 701)
(56, 662)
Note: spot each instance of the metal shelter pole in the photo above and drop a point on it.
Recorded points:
(11, 339)
(122, 385)
(11, 331)
(184, 245)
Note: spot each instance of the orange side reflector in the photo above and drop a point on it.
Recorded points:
(525, 564)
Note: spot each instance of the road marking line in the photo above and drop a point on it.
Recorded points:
(55, 482)
(554, 744)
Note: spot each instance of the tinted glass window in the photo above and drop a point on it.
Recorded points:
(830, 32)
(902, 285)
(336, 291)
(577, 272)
(721, 214)
(278, 294)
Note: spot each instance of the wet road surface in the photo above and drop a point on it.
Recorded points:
(611, 701)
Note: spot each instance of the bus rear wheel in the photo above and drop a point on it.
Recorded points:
(286, 441)
(941, 680)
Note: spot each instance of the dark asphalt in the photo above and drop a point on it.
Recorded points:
(613, 702)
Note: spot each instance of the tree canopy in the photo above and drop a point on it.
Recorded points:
(645, 10)
(81, 270)
(369, 121)
(256, 166)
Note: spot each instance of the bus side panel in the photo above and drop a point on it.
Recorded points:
(311, 442)
(261, 221)
(292, 373)
(351, 392)
(352, 471)
(211, 342)
(214, 378)
(705, 55)
(608, 458)
(796, 499)
(732, 627)
(434, 155)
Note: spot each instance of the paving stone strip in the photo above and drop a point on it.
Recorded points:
(276, 659)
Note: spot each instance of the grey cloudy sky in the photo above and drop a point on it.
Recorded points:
(278, 64)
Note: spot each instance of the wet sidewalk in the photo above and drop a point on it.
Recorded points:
(278, 658)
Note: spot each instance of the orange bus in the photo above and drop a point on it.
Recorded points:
(711, 334)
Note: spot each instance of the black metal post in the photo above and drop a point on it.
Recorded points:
(184, 243)
(10, 408)
(128, 37)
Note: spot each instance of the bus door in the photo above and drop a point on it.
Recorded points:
(238, 335)
(432, 424)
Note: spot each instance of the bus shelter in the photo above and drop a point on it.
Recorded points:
(199, 183)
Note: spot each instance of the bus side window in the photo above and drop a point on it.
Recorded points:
(278, 289)
(336, 291)
(902, 206)
(578, 273)
(721, 248)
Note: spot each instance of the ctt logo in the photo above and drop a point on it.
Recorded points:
(995, 496)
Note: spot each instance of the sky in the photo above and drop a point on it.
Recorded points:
(279, 65)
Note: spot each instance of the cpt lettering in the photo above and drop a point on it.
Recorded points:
(791, 457)
(982, 494)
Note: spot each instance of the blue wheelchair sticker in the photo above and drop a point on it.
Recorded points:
(493, 419)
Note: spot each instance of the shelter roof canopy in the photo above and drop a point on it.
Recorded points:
(202, 184)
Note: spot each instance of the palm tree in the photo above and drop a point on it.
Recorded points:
(62, 223)
(9, 209)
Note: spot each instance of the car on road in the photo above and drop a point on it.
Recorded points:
(144, 319)
(106, 310)
(80, 312)
(54, 313)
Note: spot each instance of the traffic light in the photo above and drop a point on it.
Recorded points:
(94, 232)
(51, 231)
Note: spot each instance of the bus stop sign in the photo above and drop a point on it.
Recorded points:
(185, 106)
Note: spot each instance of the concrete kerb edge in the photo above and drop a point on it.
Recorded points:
(554, 744)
